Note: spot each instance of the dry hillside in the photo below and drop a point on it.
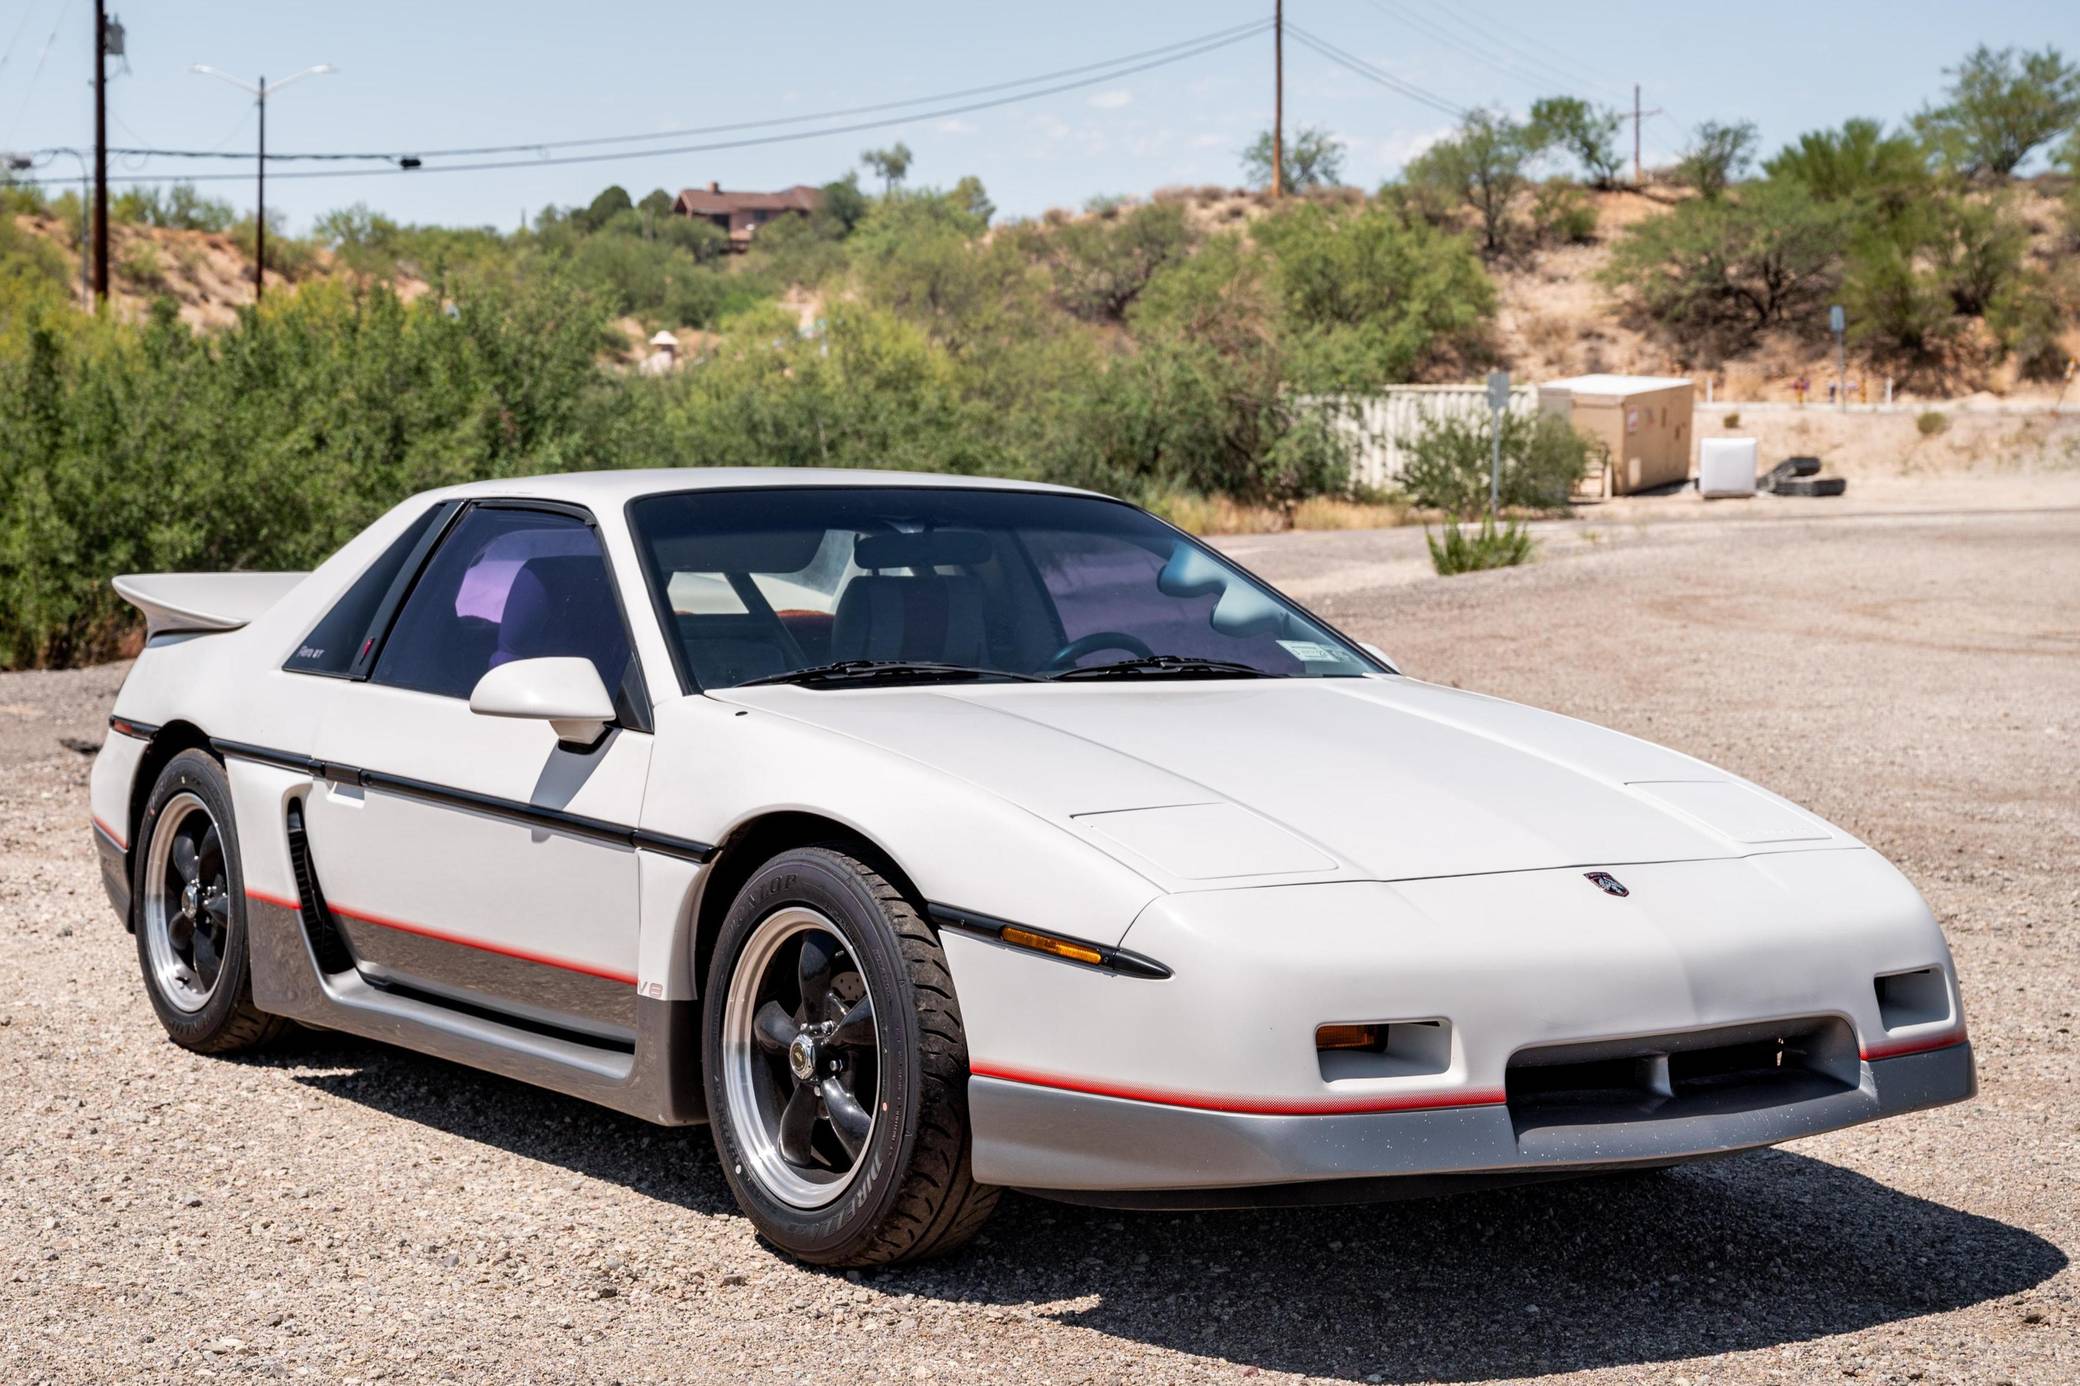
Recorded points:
(1555, 318)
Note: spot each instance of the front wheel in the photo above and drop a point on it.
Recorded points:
(837, 1068)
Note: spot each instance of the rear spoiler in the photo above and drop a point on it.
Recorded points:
(198, 602)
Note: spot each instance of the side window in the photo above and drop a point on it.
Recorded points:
(506, 585)
(332, 644)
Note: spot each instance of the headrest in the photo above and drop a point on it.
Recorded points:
(745, 551)
(931, 548)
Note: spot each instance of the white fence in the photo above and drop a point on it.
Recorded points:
(1382, 425)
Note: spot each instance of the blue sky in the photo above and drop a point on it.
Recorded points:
(434, 75)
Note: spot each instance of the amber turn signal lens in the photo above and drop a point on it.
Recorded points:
(1346, 1037)
(1047, 943)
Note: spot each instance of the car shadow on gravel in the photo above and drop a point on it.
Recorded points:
(1754, 1251)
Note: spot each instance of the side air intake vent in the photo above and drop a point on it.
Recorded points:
(328, 945)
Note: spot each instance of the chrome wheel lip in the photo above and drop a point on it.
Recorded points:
(757, 1130)
(173, 978)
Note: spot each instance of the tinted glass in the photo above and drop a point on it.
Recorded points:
(757, 583)
(331, 645)
(506, 585)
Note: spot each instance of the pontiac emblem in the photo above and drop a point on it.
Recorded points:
(1606, 882)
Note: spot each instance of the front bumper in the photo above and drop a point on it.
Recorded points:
(1210, 1078)
(1047, 1140)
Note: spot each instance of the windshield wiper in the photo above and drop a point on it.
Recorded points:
(1183, 666)
(872, 670)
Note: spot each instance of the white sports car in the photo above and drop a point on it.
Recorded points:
(931, 835)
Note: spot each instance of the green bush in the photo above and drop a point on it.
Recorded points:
(1715, 273)
(1487, 547)
(1450, 462)
(1930, 422)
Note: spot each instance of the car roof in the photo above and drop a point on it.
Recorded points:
(609, 489)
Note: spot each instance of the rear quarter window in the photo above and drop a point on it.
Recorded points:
(332, 643)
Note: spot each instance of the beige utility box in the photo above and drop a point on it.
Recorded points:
(1643, 421)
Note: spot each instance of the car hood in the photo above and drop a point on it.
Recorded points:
(1229, 782)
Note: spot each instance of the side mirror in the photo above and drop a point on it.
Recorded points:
(1379, 654)
(565, 692)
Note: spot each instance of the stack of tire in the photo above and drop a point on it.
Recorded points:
(1799, 476)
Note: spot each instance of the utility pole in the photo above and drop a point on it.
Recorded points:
(1278, 99)
(260, 93)
(260, 200)
(1639, 178)
(100, 151)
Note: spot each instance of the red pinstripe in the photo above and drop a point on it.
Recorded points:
(113, 835)
(1250, 1106)
(424, 931)
(1899, 1049)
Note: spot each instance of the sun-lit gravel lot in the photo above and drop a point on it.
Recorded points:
(341, 1211)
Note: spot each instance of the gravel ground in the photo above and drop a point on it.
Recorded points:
(344, 1211)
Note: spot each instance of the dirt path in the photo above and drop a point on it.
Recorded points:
(344, 1211)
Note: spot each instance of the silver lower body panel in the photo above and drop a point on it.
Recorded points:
(1047, 1140)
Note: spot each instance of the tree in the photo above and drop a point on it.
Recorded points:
(2003, 106)
(1713, 274)
(1482, 166)
(1099, 266)
(1589, 133)
(1858, 160)
(1313, 159)
(1368, 298)
(610, 201)
(656, 203)
(890, 165)
(1718, 154)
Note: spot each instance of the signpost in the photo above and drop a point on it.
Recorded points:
(1498, 403)
(1837, 323)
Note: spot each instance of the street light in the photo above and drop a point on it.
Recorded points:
(260, 91)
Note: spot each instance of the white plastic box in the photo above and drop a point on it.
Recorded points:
(1726, 467)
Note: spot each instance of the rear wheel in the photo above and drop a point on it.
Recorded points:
(191, 917)
(837, 1068)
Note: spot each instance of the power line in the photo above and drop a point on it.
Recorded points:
(1485, 56)
(43, 56)
(1375, 74)
(1111, 74)
(1567, 71)
(1217, 37)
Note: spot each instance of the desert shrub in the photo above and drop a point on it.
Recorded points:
(1481, 167)
(1718, 272)
(1930, 422)
(1718, 153)
(1368, 298)
(1097, 268)
(1459, 551)
(291, 257)
(1450, 462)
(1732, 420)
(2002, 106)
(178, 208)
(1561, 213)
(140, 265)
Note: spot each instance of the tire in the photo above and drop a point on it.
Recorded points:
(1811, 486)
(820, 922)
(198, 935)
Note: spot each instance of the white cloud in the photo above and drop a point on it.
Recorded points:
(954, 125)
(1113, 100)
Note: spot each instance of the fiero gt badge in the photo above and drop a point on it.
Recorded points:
(1606, 882)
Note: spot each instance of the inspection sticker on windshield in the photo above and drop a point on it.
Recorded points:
(1309, 652)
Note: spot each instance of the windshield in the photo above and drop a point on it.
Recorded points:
(763, 585)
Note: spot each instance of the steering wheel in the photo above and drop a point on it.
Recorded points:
(1090, 644)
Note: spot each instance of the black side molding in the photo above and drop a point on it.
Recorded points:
(130, 726)
(1121, 960)
(559, 820)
